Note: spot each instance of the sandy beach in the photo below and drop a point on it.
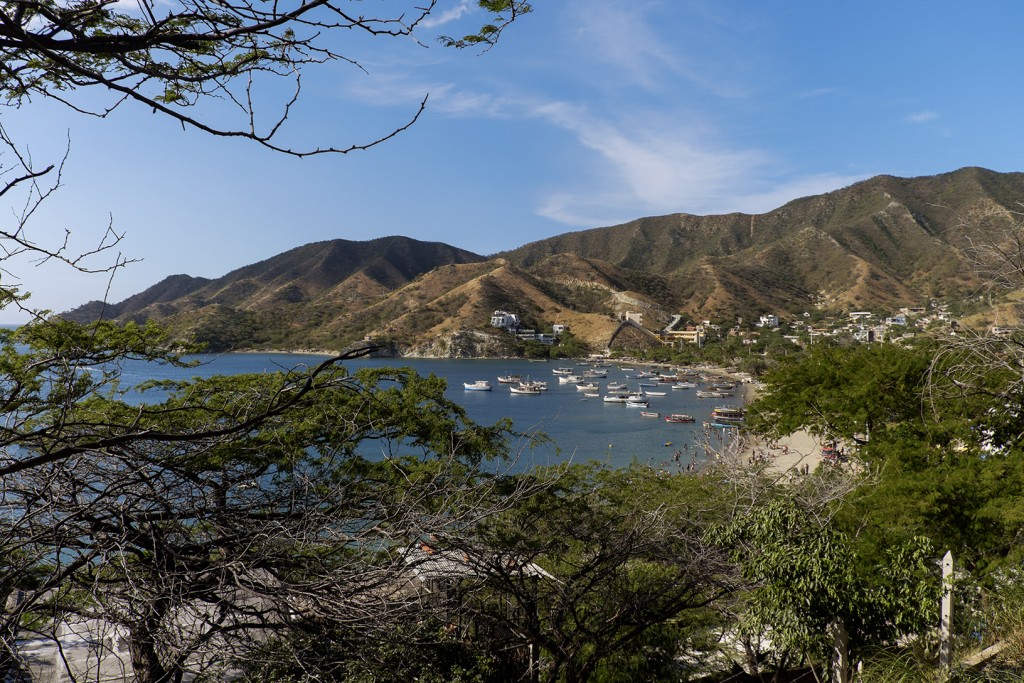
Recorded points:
(797, 451)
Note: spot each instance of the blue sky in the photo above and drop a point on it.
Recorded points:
(588, 113)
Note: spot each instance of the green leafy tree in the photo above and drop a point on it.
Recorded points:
(851, 394)
(806, 580)
(628, 580)
(223, 509)
(159, 516)
(570, 346)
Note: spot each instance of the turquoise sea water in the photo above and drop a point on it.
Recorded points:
(580, 428)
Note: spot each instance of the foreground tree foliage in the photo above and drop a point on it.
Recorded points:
(172, 56)
(197, 522)
(936, 437)
(806, 583)
(606, 572)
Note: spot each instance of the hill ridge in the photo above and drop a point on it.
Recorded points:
(878, 243)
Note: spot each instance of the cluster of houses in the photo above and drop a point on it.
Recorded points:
(859, 326)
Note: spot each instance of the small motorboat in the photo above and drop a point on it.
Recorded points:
(679, 417)
(647, 413)
(478, 385)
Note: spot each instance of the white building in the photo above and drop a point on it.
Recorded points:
(505, 320)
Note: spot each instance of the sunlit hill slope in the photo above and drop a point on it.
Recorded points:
(878, 244)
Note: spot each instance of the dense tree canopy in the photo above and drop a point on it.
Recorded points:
(198, 520)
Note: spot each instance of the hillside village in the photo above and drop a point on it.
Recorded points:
(854, 327)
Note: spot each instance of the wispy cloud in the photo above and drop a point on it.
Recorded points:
(660, 171)
(629, 42)
(922, 117)
(447, 16)
(633, 161)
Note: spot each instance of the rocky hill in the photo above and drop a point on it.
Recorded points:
(877, 244)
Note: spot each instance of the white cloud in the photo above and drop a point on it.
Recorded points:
(632, 161)
(447, 16)
(661, 169)
(922, 117)
(629, 41)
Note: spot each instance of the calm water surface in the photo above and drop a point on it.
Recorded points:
(580, 428)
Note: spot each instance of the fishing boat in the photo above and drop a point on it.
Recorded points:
(684, 385)
(635, 402)
(655, 393)
(615, 398)
(510, 379)
(524, 388)
(562, 371)
(570, 379)
(710, 394)
(478, 385)
(587, 386)
(727, 415)
(616, 386)
(679, 417)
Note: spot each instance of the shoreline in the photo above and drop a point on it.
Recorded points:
(792, 453)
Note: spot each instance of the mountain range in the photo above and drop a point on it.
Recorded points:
(876, 245)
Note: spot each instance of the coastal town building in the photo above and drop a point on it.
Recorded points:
(692, 334)
(635, 318)
(505, 320)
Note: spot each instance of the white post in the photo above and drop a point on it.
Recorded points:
(946, 619)
(840, 652)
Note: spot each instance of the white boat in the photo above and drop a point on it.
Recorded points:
(510, 379)
(524, 388)
(647, 413)
(634, 402)
(591, 394)
(616, 386)
(615, 398)
(711, 394)
(587, 386)
(597, 374)
(536, 384)
(562, 371)
(570, 379)
(478, 385)
(655, 393)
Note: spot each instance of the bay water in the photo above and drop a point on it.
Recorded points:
(578, 428)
